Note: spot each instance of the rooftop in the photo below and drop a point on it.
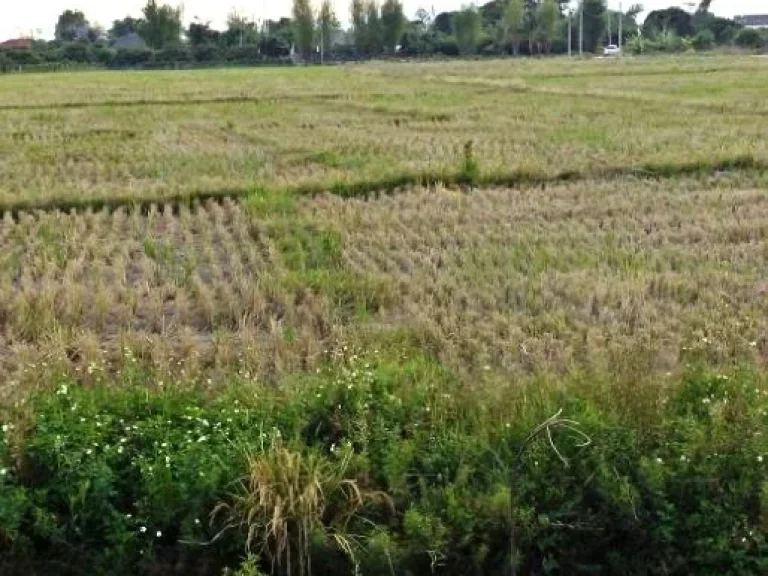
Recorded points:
(16, 43)
(753, 20)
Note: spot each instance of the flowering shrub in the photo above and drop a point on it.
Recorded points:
(125, 480)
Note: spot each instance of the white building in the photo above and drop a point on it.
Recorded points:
(753, 21)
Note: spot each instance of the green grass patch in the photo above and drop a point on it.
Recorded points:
(335, 159)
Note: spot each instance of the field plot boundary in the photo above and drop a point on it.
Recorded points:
(388, 185)
(242, 99)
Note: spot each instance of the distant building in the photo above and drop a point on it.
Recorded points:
(16, 44)
(753, 21)
(131, 41)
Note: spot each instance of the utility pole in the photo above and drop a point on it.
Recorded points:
(581, 29)
(621, 30)
(570, 32)
(610, 36)
(322, 43)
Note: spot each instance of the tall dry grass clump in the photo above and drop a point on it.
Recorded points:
(291, 499)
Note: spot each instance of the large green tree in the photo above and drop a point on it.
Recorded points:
(392, 24)
(162, 25)
(373, 41)
(72, 25)
(513, 24)
(241, 30)
(547, 16)
(530, 24)
(675, 19)
(201, 33)
(467, 28)
(594, 23)
(327, 24)
(125, 26)
(304, 26)
(359, 24)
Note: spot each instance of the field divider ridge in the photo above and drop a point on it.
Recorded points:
(238, 99)
(385, 185)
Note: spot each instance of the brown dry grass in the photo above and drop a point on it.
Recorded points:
(590, 274)
(201, 291)
(587, 275)
(583, 275)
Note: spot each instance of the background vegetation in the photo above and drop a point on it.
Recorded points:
(498, 27)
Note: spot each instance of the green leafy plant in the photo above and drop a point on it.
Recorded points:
(469, 174)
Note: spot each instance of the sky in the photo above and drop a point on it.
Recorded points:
(38, 17)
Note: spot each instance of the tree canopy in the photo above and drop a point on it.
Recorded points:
(72, 25)
(392, 24)
(327, 24)
(675, 19)
(304, 26)
(594, 23)
(161, 26)
(467, 27)
(125, 26)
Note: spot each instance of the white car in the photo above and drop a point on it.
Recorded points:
(612, 50)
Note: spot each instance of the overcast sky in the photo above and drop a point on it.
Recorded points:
(22, 17)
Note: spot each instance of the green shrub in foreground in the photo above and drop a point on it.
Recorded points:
(120, 481)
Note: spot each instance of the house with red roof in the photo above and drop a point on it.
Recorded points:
(16, 44)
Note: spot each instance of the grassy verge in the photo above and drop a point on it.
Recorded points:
(383, 462)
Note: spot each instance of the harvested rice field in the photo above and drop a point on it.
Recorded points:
(103, 138)
(482, 317)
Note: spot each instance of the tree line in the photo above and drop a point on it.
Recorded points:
(314, 31)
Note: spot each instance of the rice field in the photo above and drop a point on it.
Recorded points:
(101, 138)
(487, 317)
(518, 280)
(187, 221)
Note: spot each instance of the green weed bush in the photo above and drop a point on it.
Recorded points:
(122, 477)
